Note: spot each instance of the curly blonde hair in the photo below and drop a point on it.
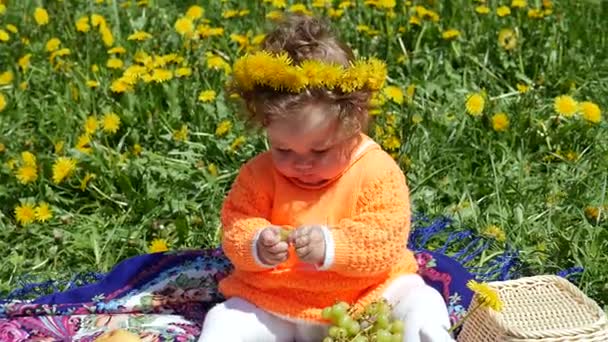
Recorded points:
(306, 38)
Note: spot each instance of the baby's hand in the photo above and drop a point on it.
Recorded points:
(272, 250)
(309, 243)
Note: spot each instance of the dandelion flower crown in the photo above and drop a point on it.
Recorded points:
(261, 68)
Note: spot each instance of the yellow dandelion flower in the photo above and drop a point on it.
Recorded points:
(394, 93)
(3, 103)
(503, 11)
(450, 34)
(475, 104)
(92, 84)
(500, 122)
(487, 296)
(158, 246)
(88, 177)
(507, 39)
(106, 36)
(25, 214)
(2, 8)
(43, 212)
(223, 128)
(82, 24)
(231, 13)
(212, 169)
(238, 142)
(27, 174)
(24, 61)
(110, 123)
(299, 9)
(591, 112)
(28, 158)
(181, 134)
(565, 105)
(117, 50)
(114, 63)
(195, 12)
(207, 95)
(12, 28)
(536, 13)
(522, 88)
(592, 213)
(4, 36)
(63, 168)
(240, 39)
(417, 118)
(495, 232)
(52, 44)
(58, 146)
(120, 86)
(184, 26)
(139, 36)
(217, 63)
(183, 72)
(90, 124)
(162, 75)
(83, 144)
(137, 149)
(274, 15)
(391, 143)
(95, 68)
(335, 13)
(482, 9)
(98, 20)
(41, 16)
(519, 3)
(6, 77)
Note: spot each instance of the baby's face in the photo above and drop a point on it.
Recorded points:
(308, 147)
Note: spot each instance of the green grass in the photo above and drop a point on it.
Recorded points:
(534, 181)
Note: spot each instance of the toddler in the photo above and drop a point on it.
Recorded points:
(324, 215)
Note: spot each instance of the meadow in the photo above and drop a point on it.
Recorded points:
(117, 137)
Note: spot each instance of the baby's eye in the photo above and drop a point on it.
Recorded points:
(323, 151)
(282, 150)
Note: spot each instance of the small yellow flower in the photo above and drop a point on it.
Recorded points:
(12, 28)
(475, 104)
(206, 95)
(115, 63)
(391, 143)
(94, 68)
(450, 34)
(195, 12)
(41, 16)
(139, 36)
(335, 13)
(223, 128)
(92, 84)
(482, 9)
(158, 245)
(503, 11)
(519, 3)
(2, 102)
(4, 36)
(28, 158)
(212, 169)
(522, 88)
(184, 26)
(487, 296)
(394, 93)
(98, 20)
(231, 13)
(82, 24)
(24, 62)
(137, 149)
(161, 75)
(417, 118)
(58, 146)
(119, 50)
(6, 77)
(2, 8)
(110, 123)
(2, 148)
(43, 212)
(274, 15)
(507, 39)
(183, 72)
(181, 134)
(63, 168)
(25, 214)
(106, 36)
(495, 232)
(90, 124)
(27, 174)
(591, 112)
(237, 143)
(52, 44)
(565, 105)
(500, 122)
(84, 144)
(299, 9)
(536, 13)
(88, 177)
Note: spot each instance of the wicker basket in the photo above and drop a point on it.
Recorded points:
(541, 308)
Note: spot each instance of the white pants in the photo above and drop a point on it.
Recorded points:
(419, 306)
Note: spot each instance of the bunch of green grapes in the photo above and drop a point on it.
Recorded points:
(375, 324)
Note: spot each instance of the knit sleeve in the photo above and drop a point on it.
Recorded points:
(245, 211)
(375, 238)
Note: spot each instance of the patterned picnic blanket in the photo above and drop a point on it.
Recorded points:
(164, 296)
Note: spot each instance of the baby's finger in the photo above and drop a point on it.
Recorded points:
(277, 258)
(269, 238)
(278, 248)
(303, 251)
(303, 240)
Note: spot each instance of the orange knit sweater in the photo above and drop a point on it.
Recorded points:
(367, 211)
